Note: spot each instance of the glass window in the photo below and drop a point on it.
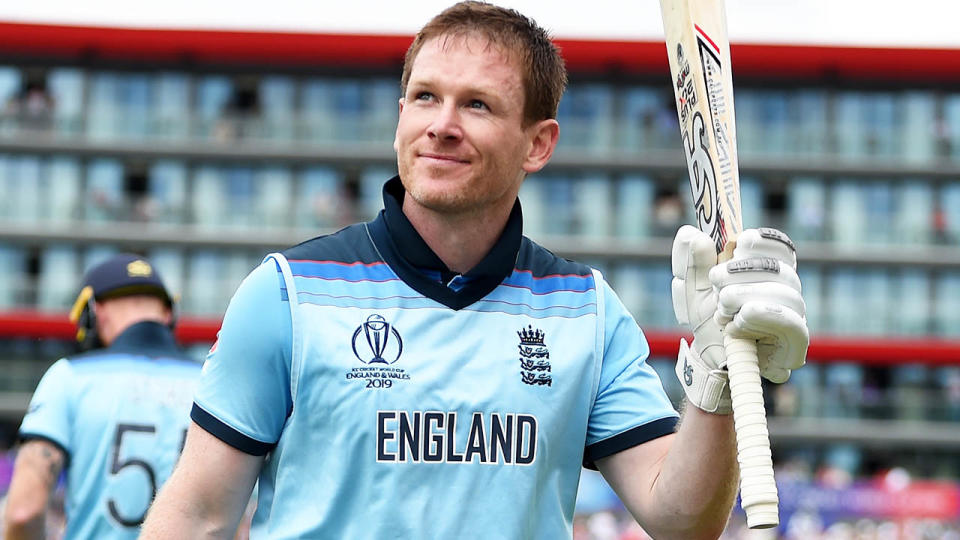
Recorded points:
(806, 208)
(209, 197)
(9, 87)
(274, 197)
(66, 85)
(212, 96)
(558, 198)
(61, 200)
(913, 212)
(370, 201)
(811, 276)
(635, 194)
(648, 120)
(593, 205)
(170, 266)
(807, 128)
(318, 112)
(948, 216)
(22, 177)
(876, 302)
(171, 106)
(205, 289)
(276, 93)
(59, 278)
(912, 296)
(881, 119)
(879, 206)
(946, 306)
(103, 115)
(384, 97)
(13, 274)
(843, 309)
(133, 105)
(105, 199)
(848, 215)
(951, 124)
(167, 191)
(532, 203)
(772, 120)
(919, 129)
(849, 125)
(751, 201)
(320, 201)
(241, 194)
(585, 115)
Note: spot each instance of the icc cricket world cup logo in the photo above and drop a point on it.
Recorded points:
(383, 342)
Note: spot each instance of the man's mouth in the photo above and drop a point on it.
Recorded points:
(442, 158)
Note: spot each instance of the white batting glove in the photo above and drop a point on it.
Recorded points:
(759, 298)
(699, 365)
(756, 295)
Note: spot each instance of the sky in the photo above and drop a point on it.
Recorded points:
(917, 23)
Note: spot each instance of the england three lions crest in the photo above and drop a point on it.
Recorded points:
(534, 357)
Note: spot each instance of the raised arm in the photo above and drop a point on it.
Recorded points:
(207, 493)
(35, 474)
(683, 485)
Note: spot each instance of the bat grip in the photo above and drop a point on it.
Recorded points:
(758, 488)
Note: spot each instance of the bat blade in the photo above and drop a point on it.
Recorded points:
(699, 53)
(699, 57)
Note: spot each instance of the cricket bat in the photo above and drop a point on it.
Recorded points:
(699, 53)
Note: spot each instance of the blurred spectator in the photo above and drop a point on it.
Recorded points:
(241, 116)
(31, 107)
(668, 214)
(603, 526)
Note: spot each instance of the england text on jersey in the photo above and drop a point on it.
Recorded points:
(431, 437)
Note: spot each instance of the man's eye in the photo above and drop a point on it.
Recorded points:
(424, 96)
(477, 104)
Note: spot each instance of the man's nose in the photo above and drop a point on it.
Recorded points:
(446, 124)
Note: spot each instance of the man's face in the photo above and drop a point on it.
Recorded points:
(461, 145)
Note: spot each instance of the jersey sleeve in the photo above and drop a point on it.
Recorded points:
(243, 397)
(49, 414)
(631, 406)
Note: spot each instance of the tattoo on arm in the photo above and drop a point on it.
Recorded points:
(45, 459)
(54, 459)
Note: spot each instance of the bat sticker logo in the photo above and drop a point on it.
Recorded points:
(719, 107)
(703, 181)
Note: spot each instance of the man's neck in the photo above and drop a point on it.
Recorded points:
(460, 241)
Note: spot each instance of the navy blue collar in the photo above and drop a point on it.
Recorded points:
(418, 266)
(146, 337)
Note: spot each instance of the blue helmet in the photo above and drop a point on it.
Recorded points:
(125, 274)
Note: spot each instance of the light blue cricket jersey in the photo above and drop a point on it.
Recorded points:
(120, 414)
(391, 404)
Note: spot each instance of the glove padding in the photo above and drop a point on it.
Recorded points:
(699, 365)
(756, 295)
(759, 298)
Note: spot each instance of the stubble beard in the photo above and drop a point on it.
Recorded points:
(458, 196)
(431, 191)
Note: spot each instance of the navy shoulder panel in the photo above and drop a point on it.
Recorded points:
(540, 262)
(348, 245)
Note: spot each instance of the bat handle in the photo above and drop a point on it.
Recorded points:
(758, 488)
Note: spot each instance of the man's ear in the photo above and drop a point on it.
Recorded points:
(543, 137)
(396, 146)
